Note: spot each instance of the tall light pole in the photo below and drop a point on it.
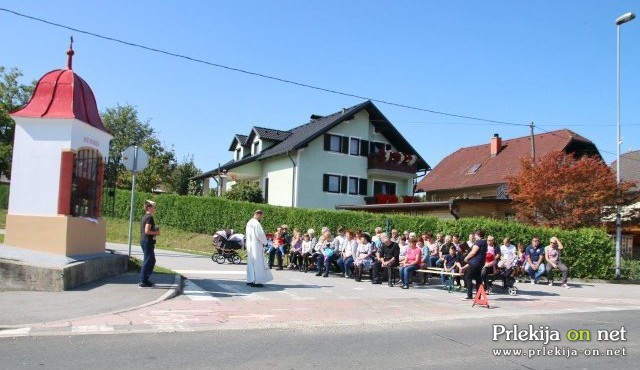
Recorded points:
(619, 21)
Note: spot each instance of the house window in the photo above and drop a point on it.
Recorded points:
(354, 146)
(381, 187)
(238, 151)
(336, 143)
(474, 169)
(332, 183)
(266, 190)
(353, 185)
(376, 147)
(256, 145)
(344, 184)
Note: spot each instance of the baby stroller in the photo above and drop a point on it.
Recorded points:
(226, 244)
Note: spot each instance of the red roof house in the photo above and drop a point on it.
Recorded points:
(479, 171)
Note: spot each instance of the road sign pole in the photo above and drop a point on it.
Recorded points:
(133, 195)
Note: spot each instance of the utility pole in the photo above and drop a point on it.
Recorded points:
(533, 144)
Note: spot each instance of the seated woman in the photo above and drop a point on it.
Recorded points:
(317, 249)
(552, 256)
(326, 250)
(404, 245)
(363, 259)
(489, 267)
(345, 261)
(276, 250)
(412, 262)
(508, 260)
(296, 248)
(305, 253)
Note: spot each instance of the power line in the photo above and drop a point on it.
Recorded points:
(256, 74)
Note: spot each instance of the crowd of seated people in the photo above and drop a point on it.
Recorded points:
(353, 254)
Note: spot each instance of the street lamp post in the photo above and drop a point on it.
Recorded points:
(619, 21)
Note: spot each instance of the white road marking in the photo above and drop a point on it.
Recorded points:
(251, 296)
(15, 332)
(196, 293)
(209, 272)
(92, 329)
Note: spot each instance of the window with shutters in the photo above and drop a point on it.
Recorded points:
(336, 143)
(332, 183)
(354, 146)
(353, 185)
(344, 184)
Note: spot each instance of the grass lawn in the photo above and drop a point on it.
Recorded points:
(171, 238)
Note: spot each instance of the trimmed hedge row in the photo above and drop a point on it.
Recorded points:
(4, 196)
(589, 252)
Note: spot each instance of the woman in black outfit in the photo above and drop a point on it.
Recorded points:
(475, 260)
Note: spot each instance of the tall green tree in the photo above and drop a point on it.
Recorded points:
(181, 182)
(13, 95)
(127, 130)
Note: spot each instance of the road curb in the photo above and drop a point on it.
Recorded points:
(173, 291)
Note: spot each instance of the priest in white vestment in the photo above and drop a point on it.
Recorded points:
(257, 271)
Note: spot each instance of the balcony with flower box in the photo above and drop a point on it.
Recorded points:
(385, 162)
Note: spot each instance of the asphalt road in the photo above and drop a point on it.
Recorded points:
(440, 344)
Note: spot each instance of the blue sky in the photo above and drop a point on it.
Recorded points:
(550, 62)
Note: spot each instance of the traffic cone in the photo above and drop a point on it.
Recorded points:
(481, 298)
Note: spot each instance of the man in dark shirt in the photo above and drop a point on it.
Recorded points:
(148, 233)
(388, 257)
(534, 265)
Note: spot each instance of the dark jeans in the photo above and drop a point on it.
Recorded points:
(303, 260)
(273, 252)
(484, 274)
(377, 271)
(345, 264)
(149, 261)
(324, 261)
(293, 257)
(433, 260)
(405, 273)
(472, 273)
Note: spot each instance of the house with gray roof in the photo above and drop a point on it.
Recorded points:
(342, 158)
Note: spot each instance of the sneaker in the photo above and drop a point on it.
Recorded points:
(533, 282)
(466, 298)
(405, 287)
(551, 283)
(145, 284)
(565, 285)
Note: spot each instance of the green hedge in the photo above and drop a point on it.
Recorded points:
(4, 196)
(588, 252)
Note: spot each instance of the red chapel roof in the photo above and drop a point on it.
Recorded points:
(63, 94)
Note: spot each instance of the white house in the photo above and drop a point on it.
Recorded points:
(331, 160)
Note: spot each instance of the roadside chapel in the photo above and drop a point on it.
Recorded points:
(57, 172)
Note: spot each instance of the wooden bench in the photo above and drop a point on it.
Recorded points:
(440, 271)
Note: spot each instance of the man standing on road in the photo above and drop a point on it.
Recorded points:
(148, 233)
(257, 272)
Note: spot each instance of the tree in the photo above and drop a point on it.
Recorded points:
(560, 190)
(13, 96)
(123, 123)
(245, 191)
(181, 182)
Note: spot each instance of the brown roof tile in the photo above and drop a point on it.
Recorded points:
(451, 172)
